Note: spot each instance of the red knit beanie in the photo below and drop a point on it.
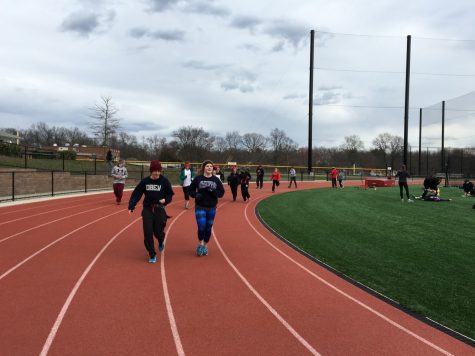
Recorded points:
(155, 165)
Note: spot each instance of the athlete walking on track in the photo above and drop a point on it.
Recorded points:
(158, 193)
(205, 189)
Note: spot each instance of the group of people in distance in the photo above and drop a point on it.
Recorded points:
(337, 175)
(205, 188)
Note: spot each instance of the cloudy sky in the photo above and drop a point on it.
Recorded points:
(241, 66)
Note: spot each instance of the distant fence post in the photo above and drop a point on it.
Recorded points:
(141, 173)
(95, 164)
(52, 183)
(63, 160)
(85, 181)
(26, 164)
(13, 186)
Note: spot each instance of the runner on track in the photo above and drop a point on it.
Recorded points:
(158, 193)
(206, 189)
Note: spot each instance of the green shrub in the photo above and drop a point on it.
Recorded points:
(69, 155)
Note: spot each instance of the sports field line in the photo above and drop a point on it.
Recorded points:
(50, 222)
(171, 317)
(51, 211)
(64, 309)
(274, 312)
(54, 242)
(365, 306)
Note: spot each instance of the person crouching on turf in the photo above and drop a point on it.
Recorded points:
(468, 189)
(205, 189)
(158, 193)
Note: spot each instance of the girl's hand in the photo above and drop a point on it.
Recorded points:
(162, 201)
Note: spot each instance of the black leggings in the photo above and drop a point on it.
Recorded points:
(245, 192)
(234, 191)
(154, 221)
(403, 184)
(186, 191)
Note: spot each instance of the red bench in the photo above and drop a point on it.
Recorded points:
(371, 183)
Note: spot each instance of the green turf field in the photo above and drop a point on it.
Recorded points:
(420, 254)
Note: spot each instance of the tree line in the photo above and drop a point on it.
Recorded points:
(189, 143)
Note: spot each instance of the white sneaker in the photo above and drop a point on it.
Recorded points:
(402, 200)
(410, 201)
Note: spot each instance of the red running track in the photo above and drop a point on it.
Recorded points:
(74, 280)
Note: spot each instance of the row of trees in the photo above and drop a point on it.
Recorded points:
(196, 144)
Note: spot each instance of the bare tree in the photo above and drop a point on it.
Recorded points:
(390, 145)
(105, 123)
(254, 142)
(233, 140)
(193, 142)
(351, 147)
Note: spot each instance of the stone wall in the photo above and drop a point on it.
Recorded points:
(29, 182)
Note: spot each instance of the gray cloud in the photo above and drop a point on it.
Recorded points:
(175, 35)
(81, 23)
(162, 5)
(171, 35)
(246, 22)
(204, 66)
(294, 96)
(136, 126)
(327, 98)
(243, 81)
(289, 33)
(190, 6)
(138, 32)
(84, 23)
(206, 8)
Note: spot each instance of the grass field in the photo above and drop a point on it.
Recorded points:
(419, 254)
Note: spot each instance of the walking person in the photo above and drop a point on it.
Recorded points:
(341, 177)
(292, 177)
(109, 159)
(333, 174)
(244, 179)
(233, 181)
(403, 175)
(119, 173)
(186, 176)
(158, 193)
(259, 177)
(275, 179)
(206, 189)
(219, 173)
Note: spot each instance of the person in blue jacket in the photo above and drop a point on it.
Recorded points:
(158, 193)
(206, 188)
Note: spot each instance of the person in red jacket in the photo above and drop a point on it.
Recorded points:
(334, 174)
(275, 179)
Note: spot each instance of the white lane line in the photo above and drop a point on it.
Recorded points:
(367, 307)
(66, 305)
(47, 212)
(274, 312)
(171, 316)
(53, 243)
(50, 222)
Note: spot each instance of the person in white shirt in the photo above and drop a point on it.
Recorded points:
(119, 173)
(186, 176)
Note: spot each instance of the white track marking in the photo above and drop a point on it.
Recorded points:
(45, 212)
(53, 243)
(50, 222)
(168, 304)
(66, 305)
(367, 307)
(266, 304)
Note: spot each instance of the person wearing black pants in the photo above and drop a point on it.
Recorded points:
(233, 182)
(245, 178)
(259, 177)
(403, 175)
(158, 193)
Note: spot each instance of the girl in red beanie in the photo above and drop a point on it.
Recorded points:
(158, 193)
